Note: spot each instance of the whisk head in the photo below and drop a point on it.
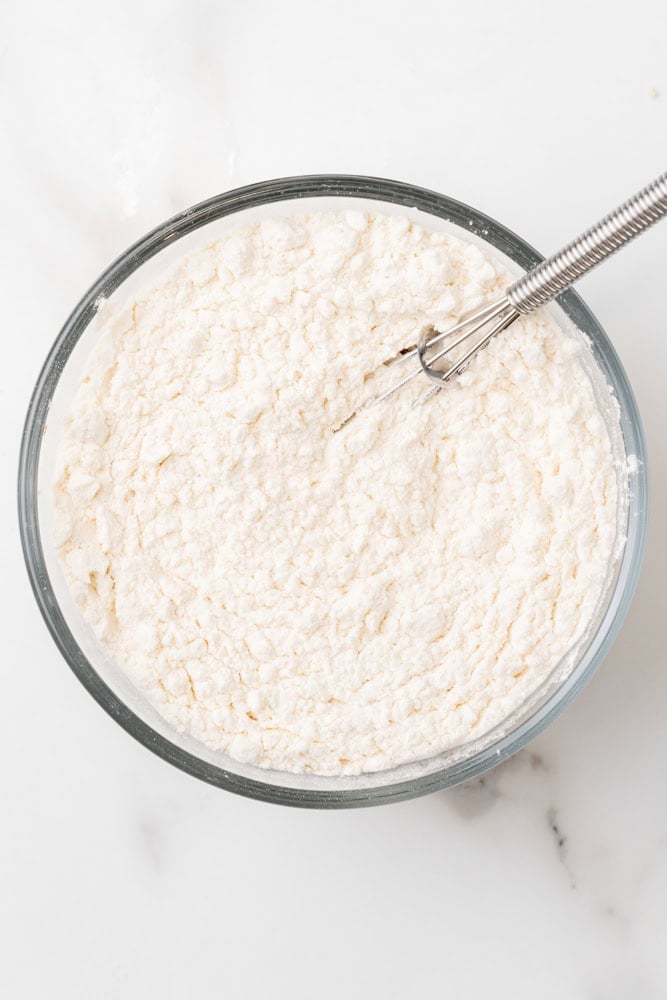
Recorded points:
(487, 322)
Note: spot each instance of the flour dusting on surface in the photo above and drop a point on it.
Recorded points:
(309, 593)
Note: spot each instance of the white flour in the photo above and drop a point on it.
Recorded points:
(332, 602)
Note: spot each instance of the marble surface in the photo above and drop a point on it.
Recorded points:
(122, 877)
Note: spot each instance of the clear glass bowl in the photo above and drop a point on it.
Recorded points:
(103, 678)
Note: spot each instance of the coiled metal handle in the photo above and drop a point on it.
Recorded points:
(553, 275)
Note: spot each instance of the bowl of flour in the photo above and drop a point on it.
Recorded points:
(287, 593)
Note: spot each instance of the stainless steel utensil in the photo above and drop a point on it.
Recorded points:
(536, 287)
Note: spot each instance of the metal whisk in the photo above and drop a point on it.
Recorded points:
(536, 287)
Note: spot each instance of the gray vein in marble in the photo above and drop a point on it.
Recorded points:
(561, 842)
(151, 841)
(477, 796)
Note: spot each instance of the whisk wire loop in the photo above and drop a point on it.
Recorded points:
(537, 287)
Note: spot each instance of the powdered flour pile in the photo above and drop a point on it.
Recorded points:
(319, 599)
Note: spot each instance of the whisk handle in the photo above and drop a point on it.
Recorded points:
(556, 273)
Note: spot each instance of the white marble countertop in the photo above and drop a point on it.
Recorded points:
(122, 877)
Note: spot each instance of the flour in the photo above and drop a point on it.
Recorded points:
(321, 601)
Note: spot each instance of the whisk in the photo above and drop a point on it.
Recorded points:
(535, 288)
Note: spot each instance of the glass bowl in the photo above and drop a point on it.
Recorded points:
(104, 679)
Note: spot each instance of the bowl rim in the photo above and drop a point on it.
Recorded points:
(185, 222)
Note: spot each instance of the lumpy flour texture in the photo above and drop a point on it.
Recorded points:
(316, 595)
